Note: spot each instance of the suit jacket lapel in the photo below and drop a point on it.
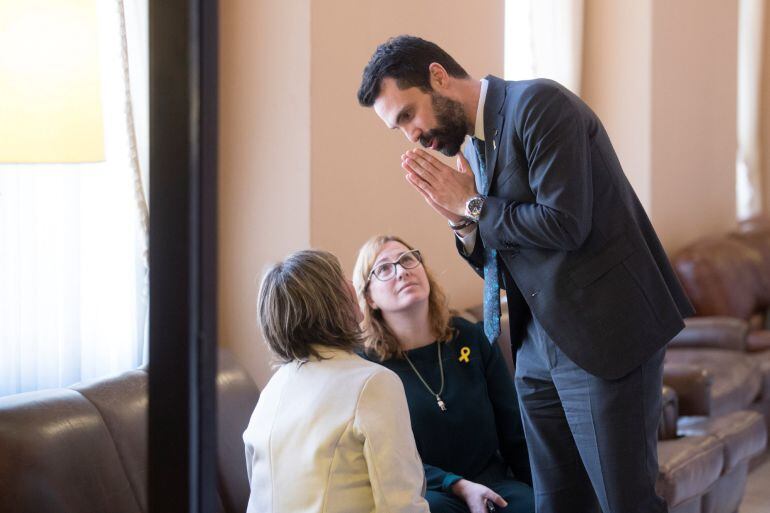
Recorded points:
(493, 125)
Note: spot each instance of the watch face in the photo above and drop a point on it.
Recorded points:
(474, 205)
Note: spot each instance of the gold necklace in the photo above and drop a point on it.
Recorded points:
(437, 395)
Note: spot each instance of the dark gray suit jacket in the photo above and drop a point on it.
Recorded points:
(577, 249)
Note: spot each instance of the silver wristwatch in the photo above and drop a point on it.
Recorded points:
(473, 208)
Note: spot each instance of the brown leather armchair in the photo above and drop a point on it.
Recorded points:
(741, 379)
(83, 449)
(687, 466)
(727, 277)
(704, 458)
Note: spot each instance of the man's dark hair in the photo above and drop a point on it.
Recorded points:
(405, 59)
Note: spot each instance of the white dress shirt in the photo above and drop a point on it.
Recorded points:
(333, 436)
(469, 241)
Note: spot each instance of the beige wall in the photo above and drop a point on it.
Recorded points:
(764, 118)
(302, 164)
(264, 158)
(617, 59)
(662, 76)
(694, 88)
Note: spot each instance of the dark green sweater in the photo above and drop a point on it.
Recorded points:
(482, 417)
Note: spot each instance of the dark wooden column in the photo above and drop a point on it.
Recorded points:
(183, 172)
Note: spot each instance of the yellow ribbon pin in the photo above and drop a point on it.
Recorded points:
(465, 352)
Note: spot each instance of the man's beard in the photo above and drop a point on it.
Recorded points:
(452, 126)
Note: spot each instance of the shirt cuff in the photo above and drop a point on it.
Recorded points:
(469, 241)
(449, 480)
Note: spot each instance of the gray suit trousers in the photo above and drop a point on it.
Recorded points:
(592, 442)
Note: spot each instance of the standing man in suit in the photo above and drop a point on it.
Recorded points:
(540, 206)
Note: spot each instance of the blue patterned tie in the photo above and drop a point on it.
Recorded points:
(491, 272)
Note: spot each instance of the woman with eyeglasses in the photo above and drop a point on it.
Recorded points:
(462, 403)
(319, 438)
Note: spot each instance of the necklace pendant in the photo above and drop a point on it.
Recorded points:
(440, 403)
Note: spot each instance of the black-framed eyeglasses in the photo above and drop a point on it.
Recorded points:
(387, 270)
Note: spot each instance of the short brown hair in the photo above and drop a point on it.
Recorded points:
(303, 301)
(379, 340)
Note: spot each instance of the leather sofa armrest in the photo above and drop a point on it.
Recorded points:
(669, 414)
(758, 341)
(713, 332)
(692, 385)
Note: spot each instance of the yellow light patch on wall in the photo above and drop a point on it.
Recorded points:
(50, 86)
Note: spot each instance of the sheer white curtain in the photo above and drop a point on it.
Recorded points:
(747, 162)
(73, 272)
(544, 39)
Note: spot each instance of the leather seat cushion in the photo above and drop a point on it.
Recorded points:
(737, 380)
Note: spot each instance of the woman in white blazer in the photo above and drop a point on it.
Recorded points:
(331, 432)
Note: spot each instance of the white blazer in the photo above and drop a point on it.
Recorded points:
(333, 436)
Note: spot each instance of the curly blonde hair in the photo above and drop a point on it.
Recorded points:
(379, 340)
